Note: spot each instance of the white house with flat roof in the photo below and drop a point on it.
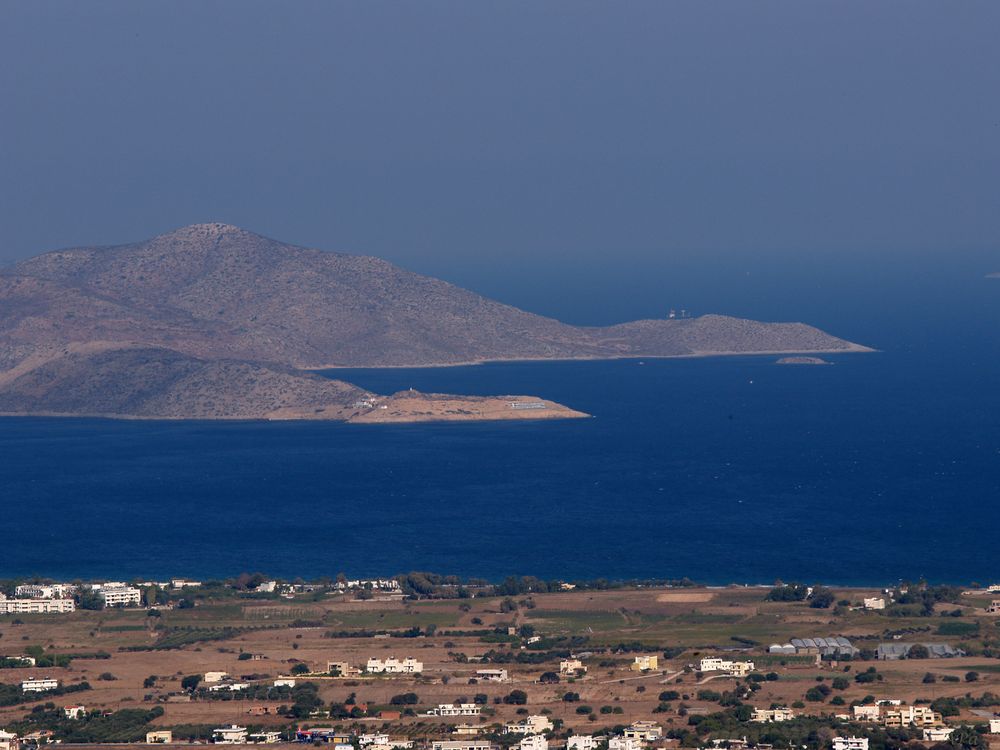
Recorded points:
(850, 743)
(534, 724)
(533, 742)
(264, 738)
(571, 666)
(644, 663)
(644, 731)
(581, 742)
(867, 713)
(74, 712)
(159, 737)
(769, 715)
(624, 743)
(392, 665)
(735, 668)
(215, 676)
(9, 741)
(492, 675)
(230, 735)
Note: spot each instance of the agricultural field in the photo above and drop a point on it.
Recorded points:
(132, 664)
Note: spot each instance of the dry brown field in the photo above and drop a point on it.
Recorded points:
(702, 621)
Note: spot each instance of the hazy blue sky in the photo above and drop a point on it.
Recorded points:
(590, 159)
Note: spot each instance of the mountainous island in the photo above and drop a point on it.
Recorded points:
(214, 322)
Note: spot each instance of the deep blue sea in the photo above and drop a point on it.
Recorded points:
(883, 466)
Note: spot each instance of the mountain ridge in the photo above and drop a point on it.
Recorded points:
(218, 293)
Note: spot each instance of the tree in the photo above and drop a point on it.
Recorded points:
(549, 678)
(571, 697)
(190, 682)
(791, 592)
(971, 676)
(149, 681)
(929, 679)
(821, 598)
(516, 698)
(967, 738)
(404, 699)
(300, 669)
(918, 651)
(88, 599)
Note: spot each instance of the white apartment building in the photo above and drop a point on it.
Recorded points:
(35, 606)
(463, 709)
(392, 665)
(571, 666)
(44, 591)
(119, 595)
(182, 583)
(918, 716)
(624, 743)
(581, 742)
(768, 715)
(534, 724)
(373, 739)
(533, 742)
(9, 741)
(230, 735)
(850, 743)
(35, 685)
(492, 675)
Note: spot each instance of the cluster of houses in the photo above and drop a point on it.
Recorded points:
(733, 668)
(57, 598)
(392, 665)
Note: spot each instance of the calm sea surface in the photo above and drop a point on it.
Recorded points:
(881, 467)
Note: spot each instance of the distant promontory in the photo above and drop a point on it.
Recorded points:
(215, 322)
(803, 361)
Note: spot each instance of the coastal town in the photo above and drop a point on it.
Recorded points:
(435, 663)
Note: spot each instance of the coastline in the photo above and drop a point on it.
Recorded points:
(853, 349)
